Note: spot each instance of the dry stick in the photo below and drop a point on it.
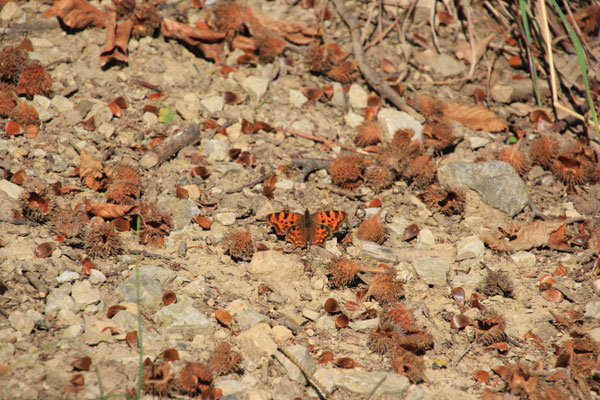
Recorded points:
(384, 34)
(463, 355)
(370, 76)
(309, 165)
(15, 221)
(261, 179)
(311, 379)
(326, 142)
(188, 136)
(467, 10)
(36, 283)
(372, 393)
(351, 195)
(147, 254)
(363, 36)
(434, 38)
(402, 31)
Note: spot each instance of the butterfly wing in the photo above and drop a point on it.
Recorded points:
(282, 221)
(324, 224)
(297, 235)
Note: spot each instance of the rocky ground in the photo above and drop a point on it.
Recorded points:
(528, 292)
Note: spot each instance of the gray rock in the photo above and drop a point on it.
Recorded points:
(72, 332)
(182, 212)
(11, 12)
(393, 120)
(62, 104)
(357, 96)
(478, 141)
(181, 315)
(592, 309)
(248, 317)
(21, 322)
(284, 184)
(97, 277)
(364, 325)
(59, 300)
(326, 323)
(339, 96)
(302, 355)
(425, 239)
(126, 321)
(277, 270)
(226, 218)
(106, 130)
(258, 339)
(150, 291)
(163, 275)
(84, 294)
(68, 317)
(256, 87)
(213, 104)
(310, 314)
(12, 190)
(215, 145)
(225, 168)
(150, 119)
(496, 182)
(469, 247)
(230, 387)
(149, 160)
(101, 114)
(297, 98)
(363, 382)
(447, 66)
(188, 107)
(67, 276)
(432, 270)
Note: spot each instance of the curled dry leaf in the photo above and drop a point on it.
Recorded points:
(77, 380)
(325, 357)
(481, 376)
(77, 14)
(44, 250)
(557, 239)
(332, 306)
(132, 339)
(344, 362)
(114, 310)
(459, 321)
(224, 318)
(313, 94)
(19, 177)
(158, 96)
(209, 41)
(546, 282)
(204, 222)
(81, 364)
(169, 355)
(474, 117)
(169, 297)
(269, 186)
(109, 210)
(115, 48)
(527, 235)
(342, 321)
(121, 224)
(502, 347)
(114, 109)
(553, 295)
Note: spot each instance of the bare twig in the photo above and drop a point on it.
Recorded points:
(370, 76)
(147, 85)
(326, 142)
(166, 149)
(41, 288)
(372, 392)
(459, 359)
(466, 8)
(311, 379)
(434, 38)
(15, 221)
(363, 36)
(147, 254)
(383, 34)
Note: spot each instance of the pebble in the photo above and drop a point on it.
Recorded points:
(248, 317)
(102, 114)
(275, 298)
(478, 141)
(67, 276)
(393, 120)
(303, 356)
(11, 12)
(310, 314)
(106, 130)
(325, 323)
(150, 119)
(182, 212)
(68, 317)
(84, 294)
(285, 184)
(215, 145)
(364, 325)
(72, 332)
(62, 104)
(42, 106)
(432, 270)
(12, 190)
(469, 247)
(96, 277)
(58, 300)
(339, 98)
(226, 218)
(213, 104)
(524, 259)
(281, 333)
(6, 352)
(256, 87)
(447, 66)
(150, 291)
(258, 338)
(21, 322)
(179, 315)
(592, 309)
(357, 96)
(149, 160)
(297, 98)
(188, 107)
(353, 119)
(496, 182)
(277, 270)
(425, 239)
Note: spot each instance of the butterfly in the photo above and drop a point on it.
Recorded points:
(306, 229)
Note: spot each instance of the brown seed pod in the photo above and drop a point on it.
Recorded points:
(572, 169)
(497, 283)
(34, 79)
(37, 201)
(378, 178)
(229, 17)
(7, 99)
(421, 171)
(372, 230)
(408, 364)
(342, 271)
(385, 288)
(544, 151)
(347, 170)
(384, 338)
(12, 61)
(24, 114)
(369, 133)
(449, 201)
(345, 72)
(223, 361)
(191, 375)
(157, 379)
(124, 185)
(489, 327)
(156, 224)
(514, 157)
(239, 245)
(102, 240)
(438, 135)
(401, 317)
(269, 45)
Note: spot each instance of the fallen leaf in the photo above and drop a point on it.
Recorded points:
(13, 128)
(481, 376)
(109, 210)
(115, 48)
(475, 117)
(527, 235)
(132, 339)
(500, 346)
(77, 14)
(557, 239)
(204, 222)
(207, 40)
(92, 171)
(553, 295)
(169, 355)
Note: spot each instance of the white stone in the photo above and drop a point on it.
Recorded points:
(285, 184)
(432, 270)
(21, 322)
(353, 120)
(12, 190)
(357, 96)
(524, 259)
(425, 239)
(281, 333)
(478, 141)
(106, 130)
(297, 98)
(469, 247)
(258, 338)
(62, 104)
(84, 294)
(213, 104)
(226, 218)
(339, 98)
(393, 120)
(11, 12)
(97, 277)
(256, 87)
(150, 119)
(67, 276)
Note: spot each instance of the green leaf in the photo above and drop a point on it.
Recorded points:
(512, 140)
(166, 115)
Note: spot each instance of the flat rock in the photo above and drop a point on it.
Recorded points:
(277, 270)
(363, 382)
(21, 322)
(393, 120)
(447, 66)
(357, 96)
(67, 276)
(226, 218)
(339, 98)
(432, 270)
(12, 190)
(180, 315)
(84, 294)
(150, 291)
(297, 98)
(258, 339)
(469, 247)
(496, 182)
(256, 87)
(11, 12)
(248, 317)
(213, 104)
(524, 259)
(59, 300)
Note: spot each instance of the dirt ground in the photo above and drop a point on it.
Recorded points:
(541, 296)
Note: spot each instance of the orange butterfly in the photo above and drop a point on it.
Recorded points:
(306, 229)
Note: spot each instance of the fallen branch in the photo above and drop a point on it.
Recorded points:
(166, 149)
(326, 142)
(33, 279)
(370, 76)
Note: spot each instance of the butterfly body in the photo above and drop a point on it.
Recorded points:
(306, 229)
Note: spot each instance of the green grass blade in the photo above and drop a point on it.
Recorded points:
(138, 394)
(581, 60)
(525, 19)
